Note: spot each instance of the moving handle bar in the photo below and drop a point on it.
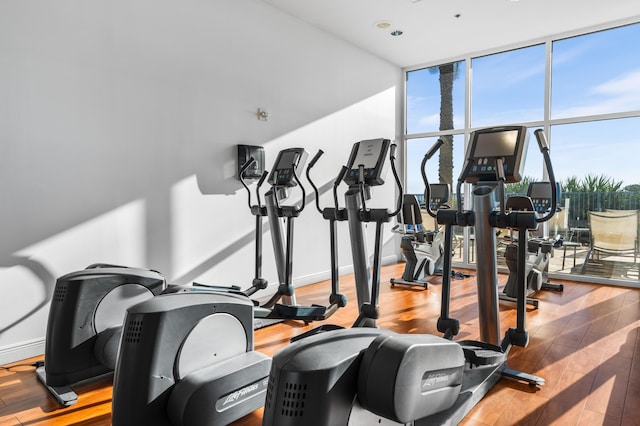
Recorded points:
(336, 300)
(243, 169)
(544, 149)
(259, 211)
(518, 336)
(448, 217)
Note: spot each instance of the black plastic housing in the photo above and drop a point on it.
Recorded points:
(154, 334)
(71, 329)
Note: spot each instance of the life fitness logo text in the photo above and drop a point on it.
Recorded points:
(245, 392)
(435, 379)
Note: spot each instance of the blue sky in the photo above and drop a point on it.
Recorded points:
(593, 74)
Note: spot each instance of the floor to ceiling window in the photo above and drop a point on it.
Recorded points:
(584, 91)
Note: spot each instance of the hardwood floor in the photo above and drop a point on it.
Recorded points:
(584, 342)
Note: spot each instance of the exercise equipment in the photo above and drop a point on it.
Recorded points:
(283, 177)
(421, 379)
(314, 381)
(187, 358)
(84, 325)
(365, 169)
(539, 250)
(422, 249)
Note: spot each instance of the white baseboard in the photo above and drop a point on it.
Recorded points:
(263, 295)
(325, 275)
(22, 350)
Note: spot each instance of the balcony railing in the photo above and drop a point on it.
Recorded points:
(572, 223)
(578, 204)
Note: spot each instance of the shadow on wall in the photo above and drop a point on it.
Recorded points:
(144, 232)
(43, 275)
(111, 108)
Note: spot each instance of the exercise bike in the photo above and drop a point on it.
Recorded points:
(539, 250)
(422, 249)
(371, 376)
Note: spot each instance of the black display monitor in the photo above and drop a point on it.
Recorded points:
(439, 192)
(540, 194)
(508, 143)
(371, 155)
(438, 195)
(288, 160)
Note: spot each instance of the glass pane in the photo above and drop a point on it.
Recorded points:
(416, 150)
(435, 89)
(597, 73)
(508, 87)
(595, 175)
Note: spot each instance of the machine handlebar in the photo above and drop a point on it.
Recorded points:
(544, 149)
(312, 163)
(542, 140)
(434, 149)
(243, 169)
(392, 160)
(246, 166)
(425, 179)
(315, 159)
(304, 193)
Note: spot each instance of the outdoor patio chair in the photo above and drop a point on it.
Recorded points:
(613, 233)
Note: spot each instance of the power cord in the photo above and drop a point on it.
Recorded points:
(36, 364)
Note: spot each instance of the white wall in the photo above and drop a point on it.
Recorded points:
(118, 126)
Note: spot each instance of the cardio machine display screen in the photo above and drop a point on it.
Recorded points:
(487, 145)
(287, 160)
(439, 191)
(368, 154)
(540, 194)
(371, 155)
(496, 144)
(539, 190)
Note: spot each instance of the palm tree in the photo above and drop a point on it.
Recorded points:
(448, 73)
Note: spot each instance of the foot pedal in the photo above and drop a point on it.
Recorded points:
(523, 377)
(63, 394)
(323, 328)
(480, 353)
(305, 313)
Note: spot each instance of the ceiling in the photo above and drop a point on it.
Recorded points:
(448, 29)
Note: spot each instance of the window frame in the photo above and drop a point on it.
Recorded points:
(546, 123)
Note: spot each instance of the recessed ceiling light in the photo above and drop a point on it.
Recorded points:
(396, 33)
(383, 24)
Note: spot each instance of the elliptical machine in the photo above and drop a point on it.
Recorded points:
(365, 169)
(85, 321)
(376, 377)
(423, 250)
(539, 250)
(187, 358)
(282, 179)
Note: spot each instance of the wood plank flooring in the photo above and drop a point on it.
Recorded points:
(584, 342)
